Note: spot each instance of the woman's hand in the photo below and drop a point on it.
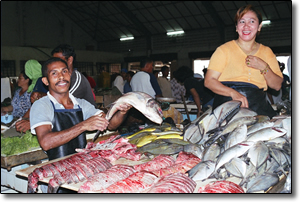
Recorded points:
(238, 96)
(22, 126)
(255, 62)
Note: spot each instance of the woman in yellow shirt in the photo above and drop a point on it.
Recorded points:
(243, 69)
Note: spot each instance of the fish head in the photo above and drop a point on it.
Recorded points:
(154, 111)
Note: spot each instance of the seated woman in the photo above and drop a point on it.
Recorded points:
(21, 100)
(243, 69)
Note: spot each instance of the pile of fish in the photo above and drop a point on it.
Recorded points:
(162, 174)
(234, 141)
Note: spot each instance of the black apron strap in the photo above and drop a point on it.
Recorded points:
(65, 119)
(256, 98)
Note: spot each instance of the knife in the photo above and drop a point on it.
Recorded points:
(98, 132)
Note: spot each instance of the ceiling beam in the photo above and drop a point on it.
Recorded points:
(216, 18)
(123, 8)
(135, 21)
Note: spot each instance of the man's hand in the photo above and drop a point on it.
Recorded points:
(22, 126)
(124, 108)
(97, 122)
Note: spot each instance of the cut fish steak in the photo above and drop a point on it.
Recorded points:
(106, 178)
(160, 161)
(135, 183)
(66, 166)
(173, 183)
(221, 187)
(78, 172)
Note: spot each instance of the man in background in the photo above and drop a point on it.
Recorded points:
(145, 81)
(164, 82)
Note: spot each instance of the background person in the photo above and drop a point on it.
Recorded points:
(144, 80)
(164, 82)
(178, 88)
(127, 86)
(243, 69)
(21, 99)
(120, 80)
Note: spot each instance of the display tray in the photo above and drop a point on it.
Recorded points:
(8, 162)
(37, 154)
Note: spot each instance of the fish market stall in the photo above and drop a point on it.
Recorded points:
(225, 150)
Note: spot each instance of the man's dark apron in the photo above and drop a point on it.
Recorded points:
(256, 98)
(65, 119)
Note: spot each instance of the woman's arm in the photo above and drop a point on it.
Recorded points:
(211, 82)
(197, 101)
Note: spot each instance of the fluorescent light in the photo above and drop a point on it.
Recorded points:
(176, 32)
(126, 38)
(266, 22)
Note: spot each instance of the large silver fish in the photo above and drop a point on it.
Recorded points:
(236, 167)
(226, 111)
(235, 151)
(266, 134)
(248, 120)
(195, 149)
(142, 102)
(202, 170)
(238, 135)
(259, 125)
(195, 130)
(211, 153)
(258, 154)
(262, 183)
(243, 112)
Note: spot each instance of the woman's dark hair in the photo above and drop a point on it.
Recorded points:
(243, 10)
(49, 61)
(182, 73)
(26, 77)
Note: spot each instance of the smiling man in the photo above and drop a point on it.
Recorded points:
(60, 120)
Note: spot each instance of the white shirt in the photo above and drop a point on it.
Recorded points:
(119, 83)
(165, 87)
(141, 82)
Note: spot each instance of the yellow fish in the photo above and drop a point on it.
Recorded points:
(141, 131)
(145, 140)
(170, 136)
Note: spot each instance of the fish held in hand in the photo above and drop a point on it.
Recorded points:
(142, 102)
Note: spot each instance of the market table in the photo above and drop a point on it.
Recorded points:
(75, 187)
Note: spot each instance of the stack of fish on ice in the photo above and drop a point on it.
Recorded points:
(224, 143)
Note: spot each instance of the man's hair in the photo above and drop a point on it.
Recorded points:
(164, 68)
(50, 61)
(131, 73)
(182, 73)
(66, 50)
(144, 61)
